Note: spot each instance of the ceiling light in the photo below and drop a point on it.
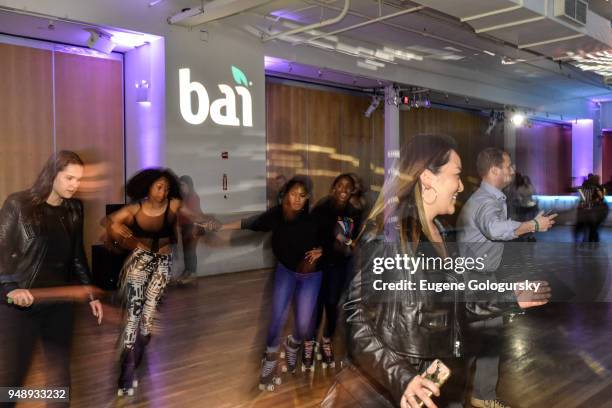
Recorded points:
(518, 119)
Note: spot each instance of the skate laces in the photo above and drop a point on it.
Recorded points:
(268, 366)
(308, 349)
(291, 352)
(327, 348)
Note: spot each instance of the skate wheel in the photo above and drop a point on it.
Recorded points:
(284, 369)
(323, 364)
(262, 387)
(303, 368)
(130, 392)
(319, 356)
(332, 364)
(282, 354)
(277, 380)
(270, 387)
(135, 383)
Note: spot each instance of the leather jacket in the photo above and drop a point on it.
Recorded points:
(23, 244)
(388, 332)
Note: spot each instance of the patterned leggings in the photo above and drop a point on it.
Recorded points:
(144, 277)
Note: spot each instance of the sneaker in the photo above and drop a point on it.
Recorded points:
(494, 403)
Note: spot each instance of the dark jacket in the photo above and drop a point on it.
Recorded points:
(388, 330)
(23, 245)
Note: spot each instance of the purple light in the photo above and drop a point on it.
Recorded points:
(582, 148)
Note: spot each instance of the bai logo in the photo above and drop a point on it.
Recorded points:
(223, 110)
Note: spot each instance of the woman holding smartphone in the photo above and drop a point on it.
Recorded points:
(394, 336)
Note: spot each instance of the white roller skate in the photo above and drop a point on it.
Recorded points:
(289, 354)
(268, 377)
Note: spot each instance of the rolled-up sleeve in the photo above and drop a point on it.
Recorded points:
(493, 222)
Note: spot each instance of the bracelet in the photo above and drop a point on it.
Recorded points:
(537, 225)
(348, 243)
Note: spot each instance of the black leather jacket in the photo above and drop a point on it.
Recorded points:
(387, 331)
(23, 244)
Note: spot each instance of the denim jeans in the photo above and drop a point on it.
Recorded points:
(303, 288)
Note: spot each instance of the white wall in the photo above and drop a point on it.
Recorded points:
(188, 149)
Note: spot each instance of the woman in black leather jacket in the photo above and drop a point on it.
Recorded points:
(393, 335)
(41, 249)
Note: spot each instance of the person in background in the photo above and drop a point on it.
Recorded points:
(483, 225)
(339, 225)
(592, 210)
(41, 249)
(190, 233)
(297, 277)
(393, 336)
(521, 203)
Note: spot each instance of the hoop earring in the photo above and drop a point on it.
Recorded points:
(435, 198)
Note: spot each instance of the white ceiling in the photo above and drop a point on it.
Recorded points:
(443, 42)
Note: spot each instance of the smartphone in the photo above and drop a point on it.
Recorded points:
(438, 373)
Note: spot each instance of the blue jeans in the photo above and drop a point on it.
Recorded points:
(304, 289)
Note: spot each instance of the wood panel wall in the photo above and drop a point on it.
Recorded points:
(88, 119)
(321, 133)
(606, 159)
(26, 115)
(467, 128)
(544, 153)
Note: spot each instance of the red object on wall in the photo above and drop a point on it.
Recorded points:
(606, 157)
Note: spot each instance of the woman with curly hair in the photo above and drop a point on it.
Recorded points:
(147, 226)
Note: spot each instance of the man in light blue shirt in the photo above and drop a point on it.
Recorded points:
(483, 225)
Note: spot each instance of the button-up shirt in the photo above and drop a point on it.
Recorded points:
(484, 222)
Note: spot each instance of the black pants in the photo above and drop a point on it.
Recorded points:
(190, 246)
(21, 328)
(333, 284)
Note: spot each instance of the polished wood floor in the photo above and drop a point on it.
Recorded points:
(209, 338)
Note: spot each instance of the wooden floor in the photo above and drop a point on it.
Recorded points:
(209, 338)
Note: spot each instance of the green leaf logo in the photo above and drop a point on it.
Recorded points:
(239, 76)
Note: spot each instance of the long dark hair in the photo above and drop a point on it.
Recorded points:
(339, 177)
(401, 194)
(43, 186)
(303, 181)
(137, 187)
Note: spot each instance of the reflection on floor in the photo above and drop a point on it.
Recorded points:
(209, 339)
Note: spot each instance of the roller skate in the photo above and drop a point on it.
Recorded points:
(268, 377)
(327, 353)
(127, 383)
(290, 355)
(308, 356)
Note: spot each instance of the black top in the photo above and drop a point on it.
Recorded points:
(156, 229)
(332, 221)
(290, 239)
(54, 269)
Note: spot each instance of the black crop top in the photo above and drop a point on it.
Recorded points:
(153, 228)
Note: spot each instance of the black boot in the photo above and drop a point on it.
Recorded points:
(141, 344)
(126, 378)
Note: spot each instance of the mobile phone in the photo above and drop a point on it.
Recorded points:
(438, 373)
